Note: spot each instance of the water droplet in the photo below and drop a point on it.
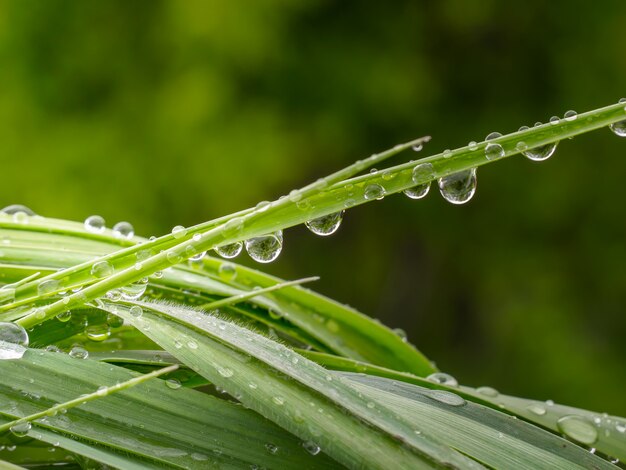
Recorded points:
(570, 115)
(541, 153)
(233, 226)
(48, 286)
(374, 191)
(134, 290)
(401, 333)
(191, 344)
(229, 251)
(443, 379)
(21, 429)
(554, 120)
(20, 217)
(94, 224)
(311, 447)
(271, 448)
(225, 372)
(179, 232)
(521, 146)
(265, 249)
(64, 316)
(472, 145)
(417, 147)
(114, 321)
(98, 332)
(78, 352)
(174, 384)
(17, 208)
(537, 408)
(458, 188)
(114, 295)
(578, 428)
(493, 135)
(494, 151)
(278, 400)
(448, 398)
(488, 391)
(13, 341)
(174, 257)
(123, 230)
(136, 311)
(325, 225)
(421, 176)
(102, 391)
(447, 153)
(619, 128)
(227, 271)
(101, 269)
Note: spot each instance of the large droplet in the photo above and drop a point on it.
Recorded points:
(94, 224)
(21, 429)
(265, 249)
(578, 428)
(421, 176)
(179, 231)
(458, 188)
(619, 128)
(443, 379)
(101, 269)
(135, 290)
(488, 391)
(78, 352)
(229, 251)
(18, 208)
(494, 151)
(13, 341)
(326, 225)
(540, 153)
(98, 332)
(123, 230)
(374, 191)
(570, 115)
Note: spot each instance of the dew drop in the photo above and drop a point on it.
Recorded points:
(458, 188)
(271, 448)
(311, 447)
(13, 341)
(94, 224)
(265, 249)
(18, 208)
(225, 372)
(21, 429)
(374, 191)
(541, 153)
(20, 217)
(472, 145)
(494, 151)
(554, 120)
(123, 230)
(174, 384)
(488, 391)
(227, 271)
(48, 286)
(78, 352)
(134, 290)
(447, 153)
(448, 398)
(102, 391)
(537, 408)
(64, 316)
(98, 333)
(278, 400)
(101, 269)
(114, 321)
(443, 379)
(493, 135)
(417, 147)
(179, 232)
(421, 176)
(578, 429)
(229, 251)
(570, 115)
(136, 311)
(619, 128)
(326, 225)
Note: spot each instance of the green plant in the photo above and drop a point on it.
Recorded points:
(259, 372)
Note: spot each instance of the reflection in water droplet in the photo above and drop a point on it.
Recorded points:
(94, 224)
(443, 379)
(265, 249)
(326, 225)
(229, 251)
(458, 188)
(578, 428)
(13, 341)
(374, 191)
(537, 154)
(123, 230)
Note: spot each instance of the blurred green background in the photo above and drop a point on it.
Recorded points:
(175, 112)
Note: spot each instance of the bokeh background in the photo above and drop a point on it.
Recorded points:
(175, 112)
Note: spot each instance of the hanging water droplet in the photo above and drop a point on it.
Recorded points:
(21, 429)
(265, 249)
(134, 290)
(554, 120)
(374, 191)
(448, 398)
(458, 188)
(18, 208)
(421, 176)
(94, 224)
(417, 147)
(443, 379)
(13, 341)
(541, 153)
(227, 271)
(197, 256)
(537, 408)
(311, 447)
(325, 225)
(123, 230)
(101, 269)
(494, 151)
(488, 391)
(229, 251)
(48, 286)
(174, 384)
(570, 115)
(179, 232)
(78, 352)
(472, 145)
(64, 316)
(619, 128)
(578, 428)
